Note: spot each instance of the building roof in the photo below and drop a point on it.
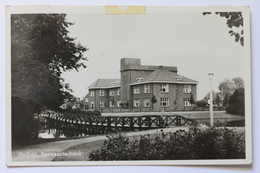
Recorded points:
(105, 83)
(207, 96)
(163, 75)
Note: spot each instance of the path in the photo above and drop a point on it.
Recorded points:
(45, 151)
(186, 114)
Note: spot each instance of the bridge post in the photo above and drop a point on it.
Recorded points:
(160, 122)
(140, 123)
(131, 124)
(108, 124)
(178, 121)
(90, 125)
(123, 123)
(97, 126)
(101, 125)
(149, 123)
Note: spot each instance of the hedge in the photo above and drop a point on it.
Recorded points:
(212, 143)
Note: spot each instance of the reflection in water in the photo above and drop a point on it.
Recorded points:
(51, 129)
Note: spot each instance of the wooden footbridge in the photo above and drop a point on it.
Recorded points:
(108, 124)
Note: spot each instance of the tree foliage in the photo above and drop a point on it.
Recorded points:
(237, 102)
(234, 19)
(228, 87)
(217, 99)
(192, 101)
(40, 50)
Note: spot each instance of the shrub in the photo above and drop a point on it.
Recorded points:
(212, 143)
(237, 102)
(81, 112)
(201, 103)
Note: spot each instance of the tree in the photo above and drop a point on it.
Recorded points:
(237, 102)
(239, 82)
(227, 87)
(226, 100)
(192, 101)
(234, 19)
(40, 50)
(153, 101)
(218, 99)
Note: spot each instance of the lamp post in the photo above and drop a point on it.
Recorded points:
(211, 100)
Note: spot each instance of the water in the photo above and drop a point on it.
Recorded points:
(223, 122)
(50, 129)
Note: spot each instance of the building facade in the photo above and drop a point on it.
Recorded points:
(143, 88)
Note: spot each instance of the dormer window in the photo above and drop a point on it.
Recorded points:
(139, 79)
(113, 83)
(178, 77)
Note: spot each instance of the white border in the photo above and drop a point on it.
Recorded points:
(195, 162)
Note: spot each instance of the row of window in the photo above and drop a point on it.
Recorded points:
(164, 88)
(102, 92)
(111, 103)
(164, 102)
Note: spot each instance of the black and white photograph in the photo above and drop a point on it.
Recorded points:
(128, 85)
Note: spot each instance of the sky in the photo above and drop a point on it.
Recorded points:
(195, 43)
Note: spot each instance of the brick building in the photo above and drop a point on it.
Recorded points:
(143, 88)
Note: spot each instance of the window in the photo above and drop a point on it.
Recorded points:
(92, 93)
(136, 89)
(164, 88)
(118, 103)
(136, 103)
(147, 88)
(186, 102)
(139, 79)
(118, 91)
(111, 92)
(187, 89)
(111, 103)
(178, 77)
(146, 102)
(113, 83)
(101, 103)
(164, 102)
(101, 92)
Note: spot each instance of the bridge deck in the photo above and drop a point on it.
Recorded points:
(131, 122)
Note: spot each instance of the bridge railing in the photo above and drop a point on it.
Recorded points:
(132, 122)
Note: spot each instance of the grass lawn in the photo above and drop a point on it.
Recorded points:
(84, 149)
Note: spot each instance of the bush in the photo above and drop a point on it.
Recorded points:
(237, 102)
(201, 103)
(212, 143)
(81, 112)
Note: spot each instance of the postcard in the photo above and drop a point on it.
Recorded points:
(128, 85)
